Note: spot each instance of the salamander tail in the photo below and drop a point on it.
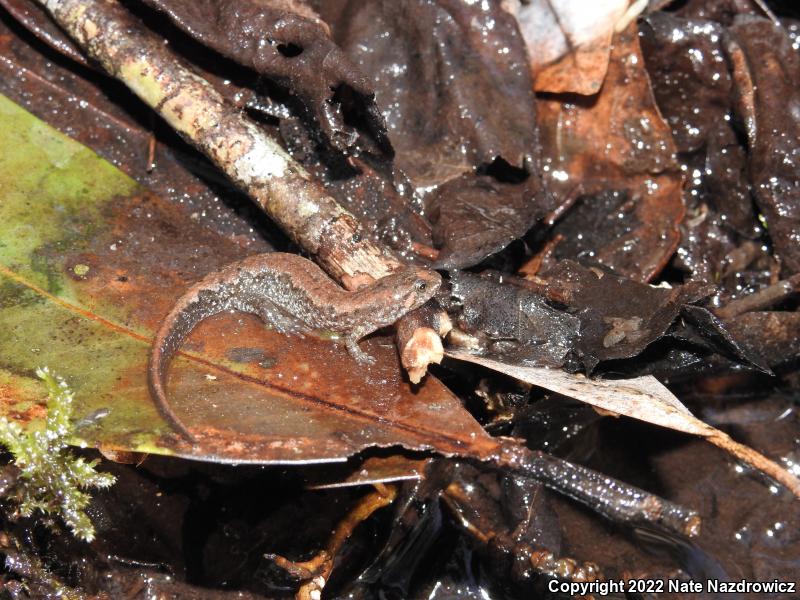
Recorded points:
(196, 304)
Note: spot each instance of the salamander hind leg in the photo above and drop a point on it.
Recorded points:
(278, 319)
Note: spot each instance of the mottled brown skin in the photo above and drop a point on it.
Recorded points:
(292, 294)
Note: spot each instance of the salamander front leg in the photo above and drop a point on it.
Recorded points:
(362, 358)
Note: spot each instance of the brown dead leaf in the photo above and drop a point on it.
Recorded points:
(617, 141)
(569, 42)
(99, 266)
(452, 79)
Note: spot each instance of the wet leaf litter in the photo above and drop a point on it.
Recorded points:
(568, 277)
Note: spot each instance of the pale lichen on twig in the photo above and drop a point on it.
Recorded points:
(48, 477)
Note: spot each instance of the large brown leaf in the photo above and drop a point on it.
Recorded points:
(89, 264)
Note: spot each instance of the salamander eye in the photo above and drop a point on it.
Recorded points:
(421, 285)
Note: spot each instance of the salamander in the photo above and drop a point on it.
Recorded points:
(291, 294)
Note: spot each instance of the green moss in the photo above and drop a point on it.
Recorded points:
(51, 479)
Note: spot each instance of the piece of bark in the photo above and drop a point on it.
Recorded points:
(419, 339)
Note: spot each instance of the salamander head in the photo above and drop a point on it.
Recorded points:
(386, 300)
(416, 287)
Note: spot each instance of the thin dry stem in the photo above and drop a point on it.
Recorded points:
(757, 460)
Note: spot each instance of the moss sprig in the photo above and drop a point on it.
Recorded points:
(51, 478)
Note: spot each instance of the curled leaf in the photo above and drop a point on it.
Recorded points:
(642, 398)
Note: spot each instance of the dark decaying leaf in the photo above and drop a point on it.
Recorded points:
(725, 177)
(618, 317)
(88, 271)
(715, 334)
(475, 216)
(510, 518)
(615, 142)
(287, 42)
(721, 11)
(695, 97)
(465, 64)
(766, 71)
(691, 74)
(772, 336)
(442, 59)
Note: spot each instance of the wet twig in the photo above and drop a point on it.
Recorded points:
(761, 299)
(315, 572)
(526, 556)
(615, 500)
